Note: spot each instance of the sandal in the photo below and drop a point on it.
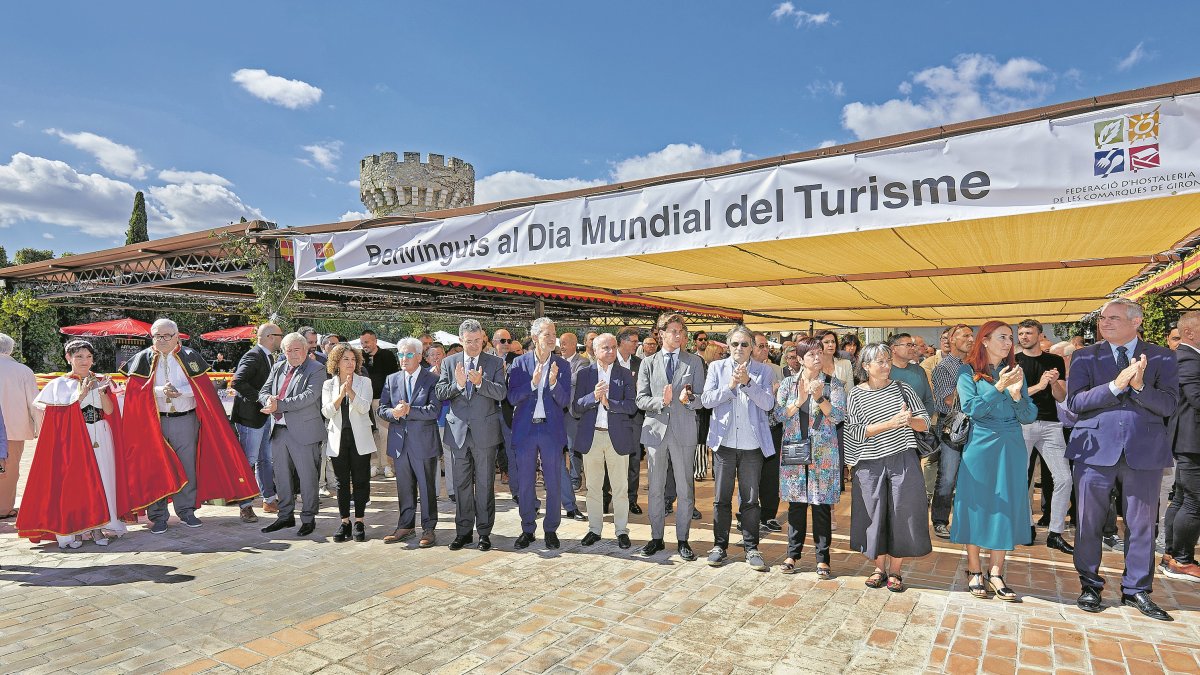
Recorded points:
(1002, 591)
(977, 590)
(876, 580)
(896, 586)
(824, 573)
(788, 567)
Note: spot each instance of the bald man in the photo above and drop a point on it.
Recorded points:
(253, 427)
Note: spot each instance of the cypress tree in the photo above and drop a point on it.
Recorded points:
(137, 231)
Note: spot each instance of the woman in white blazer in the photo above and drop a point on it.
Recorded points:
(346, 405)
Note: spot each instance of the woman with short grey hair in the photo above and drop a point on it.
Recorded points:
(889, 513)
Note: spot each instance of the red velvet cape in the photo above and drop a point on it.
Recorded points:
(64, 494)
(145, 474)
(222, 471)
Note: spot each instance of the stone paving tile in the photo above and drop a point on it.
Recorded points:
(225, 598)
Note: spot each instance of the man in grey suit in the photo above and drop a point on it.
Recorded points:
(669, 386)
(292, 396)
(474, 383)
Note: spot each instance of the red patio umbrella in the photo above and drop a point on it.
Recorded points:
(238, 334)
(115, 328)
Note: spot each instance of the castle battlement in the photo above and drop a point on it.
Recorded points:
(391, 187)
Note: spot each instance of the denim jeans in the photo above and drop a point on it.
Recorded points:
(949, 458)
(256, 443)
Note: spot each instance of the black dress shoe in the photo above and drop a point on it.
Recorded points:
(576, 515)
(696, 514)
(1089, 600)
(1145, 605)
(279, 524)
(551, 540)
(524, 540)
(485, 542)
(669, 509)
(343, 533)
(1055, 540)
(1044, 521)
(590, 538)
(623, 541)
(360, 531)
(685, 551)
(461, 541)
(653, 546)
(306, 529)
(635, 509)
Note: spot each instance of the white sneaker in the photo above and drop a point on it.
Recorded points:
(74, 543)
(388, 473)
(374, 471)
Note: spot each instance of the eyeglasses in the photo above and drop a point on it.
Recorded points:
(164, 338)
(906, 344)
(273, 335)
(733, 343)
(408, 355)
(504, 341)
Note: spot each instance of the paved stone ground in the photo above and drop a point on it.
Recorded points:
(226, 597)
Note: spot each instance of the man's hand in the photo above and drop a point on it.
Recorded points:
(668, 395)
(685, 396)
(537, 375)
(460, 376)
(1139, 375)
(815, 388)
(476, 376)
(271, 406)
(553, 374)
(601, 391)
(170, 391)
(1125, 377)
(402, 409)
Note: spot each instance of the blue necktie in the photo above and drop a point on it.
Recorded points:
(1122, 358)
(470, 385)
(409, 381)
(670, 368)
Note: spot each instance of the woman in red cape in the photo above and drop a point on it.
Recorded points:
(222, 471)
(82, 473)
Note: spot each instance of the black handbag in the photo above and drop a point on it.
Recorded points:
(927, 443)
(797, 454)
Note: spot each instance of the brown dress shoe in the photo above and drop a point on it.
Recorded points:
(248, 515)
(400, 534)
(428, 539)
(270, 507)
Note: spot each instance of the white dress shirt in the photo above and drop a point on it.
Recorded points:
(601, 411)
(539, 409)
(168, 369)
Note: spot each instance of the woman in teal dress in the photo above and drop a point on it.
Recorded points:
(810, 404)
(991, 507)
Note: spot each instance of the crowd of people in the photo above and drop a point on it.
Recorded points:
(924, 438)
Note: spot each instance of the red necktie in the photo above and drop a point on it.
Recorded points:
(283, 389)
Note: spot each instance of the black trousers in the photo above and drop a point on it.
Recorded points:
(1182, 521)
(768, 482)
(353, 472)
(744, 466)
(798, 529)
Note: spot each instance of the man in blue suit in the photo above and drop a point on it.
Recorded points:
(605, 399)
(539, 387)
(411, 408)
(1121, 388)
(739, 390)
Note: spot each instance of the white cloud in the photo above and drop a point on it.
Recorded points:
(828, 143)
(973, 86)
(19, 123)
(353, 215)
(324, 155)
(786, 10)
(47, 235)
(674, 158)
(354, 184)
(197, 177)
(290, 94)
(117, 159)
(516, 184)
(36, 189)
(193, 206)
(1134, 57)
(834, 89)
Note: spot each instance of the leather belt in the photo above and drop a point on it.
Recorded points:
(601, 428)
(539, 420)
(176, 414)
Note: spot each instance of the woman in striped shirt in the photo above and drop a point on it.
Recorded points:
(889, 512)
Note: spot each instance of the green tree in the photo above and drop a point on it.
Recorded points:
(4, 257)
(31, 255)
(17, 311)
(137, 231)
(1158, 314)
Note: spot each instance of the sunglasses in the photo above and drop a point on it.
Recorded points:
(408, 355)
(740, 344)
(504, 341)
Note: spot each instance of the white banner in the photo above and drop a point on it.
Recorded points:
(1133, 152)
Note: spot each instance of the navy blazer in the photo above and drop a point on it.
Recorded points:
(1131, 423)
(524, 399)
(417, 432)
(252, 371)
(622, 408)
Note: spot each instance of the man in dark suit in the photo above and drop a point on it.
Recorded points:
(605, 398)
(292, 396)
(539, 388)
(411, 408)
(1121, 388)
(628, 339)
(1182, 522)
(253, 427)
(474, 383)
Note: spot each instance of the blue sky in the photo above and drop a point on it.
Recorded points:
(264, 109)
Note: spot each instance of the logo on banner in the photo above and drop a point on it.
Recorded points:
(1126, 143)
(324, 253)
(287, 250)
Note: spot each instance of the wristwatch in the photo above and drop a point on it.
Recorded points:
(822, 400)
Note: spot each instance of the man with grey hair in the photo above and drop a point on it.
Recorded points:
(170, 400)
(474, 383)
(411, 408)
(21, 421)
(292, 396)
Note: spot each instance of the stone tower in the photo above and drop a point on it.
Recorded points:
(389, 187)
